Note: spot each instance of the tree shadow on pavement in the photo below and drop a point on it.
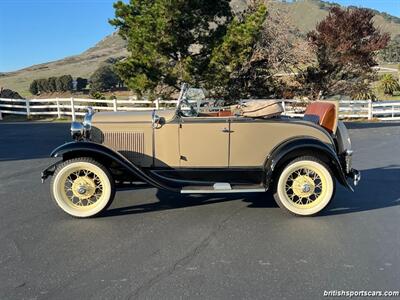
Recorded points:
(379, 188)
(31, 140)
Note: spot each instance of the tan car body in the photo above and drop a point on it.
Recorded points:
(198, 142)
(203, 152)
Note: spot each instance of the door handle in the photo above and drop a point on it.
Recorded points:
(226, 130)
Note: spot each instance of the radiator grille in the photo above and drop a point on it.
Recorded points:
(129, 144)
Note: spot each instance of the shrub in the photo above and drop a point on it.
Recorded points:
(42, 85)
(66, 83)
(364, 95)
(33, 88)
(388, 84)
(97, 95)
(81, 83)
(51, 83)
(59, 84)
(103, 79)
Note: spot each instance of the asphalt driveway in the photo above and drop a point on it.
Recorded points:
(153, 244)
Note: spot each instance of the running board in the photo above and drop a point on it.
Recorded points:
(223, 187)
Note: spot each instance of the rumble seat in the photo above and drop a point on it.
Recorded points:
(324, 113)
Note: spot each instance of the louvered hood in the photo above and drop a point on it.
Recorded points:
(129, 133)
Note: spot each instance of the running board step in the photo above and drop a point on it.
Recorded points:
(223, 187)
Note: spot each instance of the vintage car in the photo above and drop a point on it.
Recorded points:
(195, 149)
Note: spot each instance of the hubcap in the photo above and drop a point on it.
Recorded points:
(83, 188)
(304, 187)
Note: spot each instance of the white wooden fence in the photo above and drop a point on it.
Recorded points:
(74, 107)
(60, 107)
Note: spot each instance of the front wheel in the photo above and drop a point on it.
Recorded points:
(305, 186)
(82, 187)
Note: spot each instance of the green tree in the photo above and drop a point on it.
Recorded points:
(234, 71)
(51, 82)
(81, 83)
(103, 79)
(42, 85)
(33, 88)
(345, 43)
(388, 84)
(64, 83)
(169, 41)
(59, 84)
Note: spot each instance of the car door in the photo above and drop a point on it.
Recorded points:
(204, 142)
(250, 141)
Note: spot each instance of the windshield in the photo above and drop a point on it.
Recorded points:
(193, 101)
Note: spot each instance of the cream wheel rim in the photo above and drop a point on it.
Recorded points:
(82, 189)
(305, 187)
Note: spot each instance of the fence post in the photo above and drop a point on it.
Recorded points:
(72, 109)
(284, 106)
(58, 108)
(370, 113)
(115, 104)
(157, 103)
(28, 109)
(392, 111)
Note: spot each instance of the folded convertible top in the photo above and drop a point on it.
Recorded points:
(261, 108)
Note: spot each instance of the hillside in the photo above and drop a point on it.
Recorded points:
(305, 14)
(82, 65)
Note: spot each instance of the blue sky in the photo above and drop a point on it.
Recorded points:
(37, 31)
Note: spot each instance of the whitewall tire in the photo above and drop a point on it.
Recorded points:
(305, 186)
(82, 187)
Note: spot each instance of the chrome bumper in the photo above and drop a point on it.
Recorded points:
(348, 157)
(355, 175)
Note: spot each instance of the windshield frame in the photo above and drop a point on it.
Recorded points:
(195, 109)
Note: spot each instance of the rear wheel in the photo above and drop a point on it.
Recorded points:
(82, 187)
(305, 186)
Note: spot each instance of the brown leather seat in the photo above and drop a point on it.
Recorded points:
(323, 113)
(224, 113)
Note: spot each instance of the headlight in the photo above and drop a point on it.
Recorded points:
(77, 131)
(81, 131)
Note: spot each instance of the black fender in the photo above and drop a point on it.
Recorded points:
(291, 148)
(88, 148)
